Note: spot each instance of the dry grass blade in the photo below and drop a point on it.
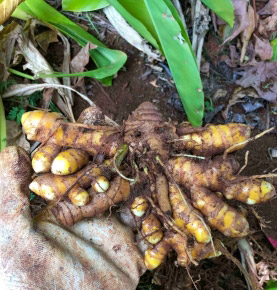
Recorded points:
(6, 9)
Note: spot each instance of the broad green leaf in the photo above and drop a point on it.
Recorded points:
(84, 5)
(136, 14)
(271, 285)
(108, 61)
(222, 8)
(3, 135)
(180, 59)
(274, 48)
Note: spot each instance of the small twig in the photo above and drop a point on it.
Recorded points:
(264, 176)
(188, 155)
(245, 162)
(222, 249)
(233, 147)
(117, 170)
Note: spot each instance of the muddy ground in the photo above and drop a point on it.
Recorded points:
(137, 83)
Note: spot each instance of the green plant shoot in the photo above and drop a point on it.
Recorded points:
(180, 60)
(3, 135)
(108, 61)
(84, 5)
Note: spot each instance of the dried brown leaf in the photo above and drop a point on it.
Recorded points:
(15, 135)
(268, 26)
(8, 37)
(262, 78)
(269, 9)
(263, 48)
(241, 18)
(236, 97)
(6, 9)
(247, 33)
(45, 38)
(80, 61)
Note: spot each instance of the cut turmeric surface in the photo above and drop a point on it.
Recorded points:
(187, 217)
(49, 127)
(219, 214)
(213, 139)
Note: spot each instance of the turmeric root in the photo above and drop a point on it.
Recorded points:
(250, 191)
(139, 206)
(179, 245)
(209, 174)
(187, 218)
(162, 194)
(68, 214)
(49, 127)
(213, 139)
(219, 214)
(78, 196)
(100, 184)
(153, 258)
(43, 158)
(152, 229)
(69, 161)
(52, 187)
(200, 251)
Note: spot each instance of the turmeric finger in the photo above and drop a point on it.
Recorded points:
(219, 214)
(100, 184)
(68, 214)
(186, 217)
(214, 139)
(52, 187)
(139, 206)
(153, 258)
(78, 196)
(43, 158)
(152, 229)
(162, 194)
(204, 173)
(200, 251)
(49, 127)
(250, 191)
(69, 161)
(179, 244)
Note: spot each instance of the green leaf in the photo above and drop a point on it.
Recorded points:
(16, 114)
(3, 135)
(271, 285)
(180, 59)
(136, 14)
(84, 5)
(274, 47)
(108, 61)
(222, 8)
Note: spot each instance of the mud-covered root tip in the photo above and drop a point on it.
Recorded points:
(139, 206)
(152, 229)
